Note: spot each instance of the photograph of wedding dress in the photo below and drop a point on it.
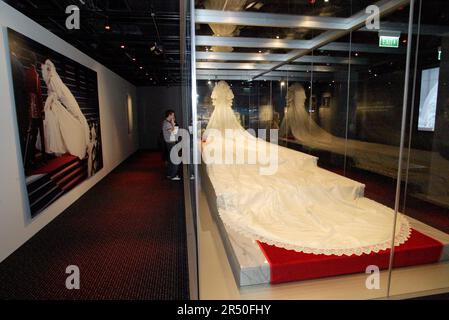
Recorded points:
(58, 120)
(65, 125)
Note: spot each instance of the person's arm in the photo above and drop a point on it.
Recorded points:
(170, 127)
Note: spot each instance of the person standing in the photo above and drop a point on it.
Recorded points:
(169, 131)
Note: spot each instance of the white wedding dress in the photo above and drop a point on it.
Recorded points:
(300, 207)
(65, 126)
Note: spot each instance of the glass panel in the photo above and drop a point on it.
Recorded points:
(190, 172)
(342, 102)
(425, 191)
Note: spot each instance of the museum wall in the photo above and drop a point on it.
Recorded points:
(16, 226)
(152, 103)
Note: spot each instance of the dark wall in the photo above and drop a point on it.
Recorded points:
(152, 103)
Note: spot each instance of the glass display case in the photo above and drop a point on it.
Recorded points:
(357, 88)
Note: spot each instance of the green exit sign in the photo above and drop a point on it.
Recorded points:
(389, 42)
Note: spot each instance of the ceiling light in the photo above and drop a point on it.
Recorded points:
(107, 27)
(140, 68)
(282, 83)
(157, 49)
(122, 46)
(277, 37)
(134, 59)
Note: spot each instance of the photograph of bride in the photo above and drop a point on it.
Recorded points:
(58, 120)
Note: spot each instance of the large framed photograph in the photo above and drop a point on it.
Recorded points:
(58, 118)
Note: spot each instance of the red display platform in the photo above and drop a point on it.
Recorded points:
(288, 265)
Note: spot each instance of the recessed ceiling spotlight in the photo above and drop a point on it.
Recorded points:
(134, 59)
(122, 46)
(356, 54)
(277, 37)
(260, 51)
(140, 67)
(107, 27)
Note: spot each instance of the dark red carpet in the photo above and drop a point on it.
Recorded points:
(126, 235)
(289, 265)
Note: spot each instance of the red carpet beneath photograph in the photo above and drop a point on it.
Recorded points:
(288, 265)
(55, 164)
(52, 179)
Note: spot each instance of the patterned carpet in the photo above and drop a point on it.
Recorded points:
(126, 235)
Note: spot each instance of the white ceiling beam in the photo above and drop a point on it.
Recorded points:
(266, 43)
(425, 29)
(305, 77)
(249, 74)
(272, 20)
(266, 66)
(274, 57)
(245, 42)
